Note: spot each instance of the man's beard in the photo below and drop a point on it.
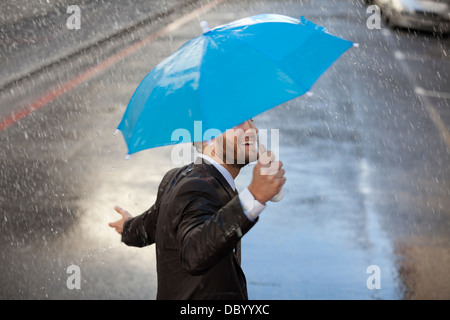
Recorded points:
(238, 154)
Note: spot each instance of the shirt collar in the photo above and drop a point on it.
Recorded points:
(225, 173)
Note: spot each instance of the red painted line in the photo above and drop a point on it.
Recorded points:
(59, 90)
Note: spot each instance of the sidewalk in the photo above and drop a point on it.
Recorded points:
(34, 35)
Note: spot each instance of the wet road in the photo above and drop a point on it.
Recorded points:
(366, 157)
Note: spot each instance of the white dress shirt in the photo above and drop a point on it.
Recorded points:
(252, 207)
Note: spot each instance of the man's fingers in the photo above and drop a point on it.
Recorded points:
(280, 173)
(119, 209)
(122, 212)
(118, 225)
(114, 224)
(273, 169)
(118, 228)
(266, 158)
(262, 150)
(280, 164)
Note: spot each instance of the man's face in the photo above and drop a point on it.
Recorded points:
(238, 146)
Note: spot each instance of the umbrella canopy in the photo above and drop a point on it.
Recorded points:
(228, 75)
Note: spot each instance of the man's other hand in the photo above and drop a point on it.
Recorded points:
(118, 225)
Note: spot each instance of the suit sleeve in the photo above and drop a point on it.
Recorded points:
(206, 231)
(140, 230)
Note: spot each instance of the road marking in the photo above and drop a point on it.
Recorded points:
(436, 118)
(59, 90)
(401, 56)
(421, 93)
(434, 115)
(434, 94)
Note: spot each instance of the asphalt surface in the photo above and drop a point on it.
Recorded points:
(366, 159)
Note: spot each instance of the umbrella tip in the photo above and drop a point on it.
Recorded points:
(356, 44)
(127, 157)
(205, 26)
(309, 94)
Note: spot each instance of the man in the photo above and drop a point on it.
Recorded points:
(198, 218)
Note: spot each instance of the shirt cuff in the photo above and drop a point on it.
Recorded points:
(252, 207)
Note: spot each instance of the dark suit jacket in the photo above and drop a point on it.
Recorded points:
(196, 222)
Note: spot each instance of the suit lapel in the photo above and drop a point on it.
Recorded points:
(231, 193)
(217, 175)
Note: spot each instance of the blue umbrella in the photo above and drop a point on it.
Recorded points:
(228, 75)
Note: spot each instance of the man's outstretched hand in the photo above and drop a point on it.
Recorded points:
(118, 225)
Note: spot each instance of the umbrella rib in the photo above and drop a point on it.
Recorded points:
(200, 95)
(303, 88)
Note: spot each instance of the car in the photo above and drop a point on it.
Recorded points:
(424, 15)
